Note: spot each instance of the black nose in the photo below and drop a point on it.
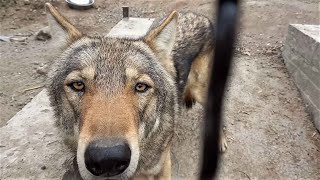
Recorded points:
(107, 158)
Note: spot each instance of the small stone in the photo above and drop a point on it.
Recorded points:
(21, 104)
(43, 34)
(43, 167)
(35, 63)
(26, 2)
(18, 39)
(5, 38)
(42, 70)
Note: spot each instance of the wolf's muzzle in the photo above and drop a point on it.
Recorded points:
(107, 158)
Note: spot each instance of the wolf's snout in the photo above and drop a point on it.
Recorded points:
(107, 158)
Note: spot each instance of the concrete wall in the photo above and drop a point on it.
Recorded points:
(302, 58)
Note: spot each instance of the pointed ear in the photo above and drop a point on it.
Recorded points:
(161, 39)
(62, 31)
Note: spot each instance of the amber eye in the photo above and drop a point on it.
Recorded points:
(141, 87)
(77, 86)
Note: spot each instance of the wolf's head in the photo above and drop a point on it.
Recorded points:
(115, 97)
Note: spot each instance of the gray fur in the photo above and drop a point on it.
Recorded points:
(110, 57)
(195, 34)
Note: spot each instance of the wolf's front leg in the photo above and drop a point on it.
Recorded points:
(165, 174)
(223, 142)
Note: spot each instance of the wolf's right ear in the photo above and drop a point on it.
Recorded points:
(62, 31)
(161, 40)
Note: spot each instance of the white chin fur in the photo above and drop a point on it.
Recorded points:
(86, 175)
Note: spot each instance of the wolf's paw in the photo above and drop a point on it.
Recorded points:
(189, 104)
(223, 143)
(72, 172)
(188, 99)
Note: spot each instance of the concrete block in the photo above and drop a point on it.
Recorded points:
(302, 58)
(309, 92)
(31, 147)
(31, 144)
(301, 64)
(131, 27)
(304, 39)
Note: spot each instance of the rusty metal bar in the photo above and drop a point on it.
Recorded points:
(125, 11)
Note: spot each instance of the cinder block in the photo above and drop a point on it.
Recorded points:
(304, 39)
(301, 64)
(309, 92)
(302, 58)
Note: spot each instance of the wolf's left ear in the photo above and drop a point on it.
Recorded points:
(161, 39)
(62, 31)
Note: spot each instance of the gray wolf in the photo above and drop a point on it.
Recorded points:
(116, 99)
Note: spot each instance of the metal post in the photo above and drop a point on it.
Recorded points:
(125, 11)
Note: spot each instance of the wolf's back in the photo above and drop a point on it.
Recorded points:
(195, 35)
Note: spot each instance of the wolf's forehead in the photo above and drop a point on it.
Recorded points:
(94, 50)
(108, 52)
(110, 58)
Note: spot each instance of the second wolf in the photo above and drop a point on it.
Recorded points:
(117, 99)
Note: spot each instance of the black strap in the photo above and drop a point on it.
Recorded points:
(225, 35)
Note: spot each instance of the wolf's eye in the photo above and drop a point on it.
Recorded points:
(141, 87)
(77, 86)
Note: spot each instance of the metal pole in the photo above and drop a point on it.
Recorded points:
(125, 11)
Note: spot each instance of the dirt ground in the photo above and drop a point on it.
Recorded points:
(269, 132)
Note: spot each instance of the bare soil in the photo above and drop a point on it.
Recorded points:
(269, 132)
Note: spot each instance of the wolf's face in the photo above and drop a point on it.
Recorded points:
(116, 97)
